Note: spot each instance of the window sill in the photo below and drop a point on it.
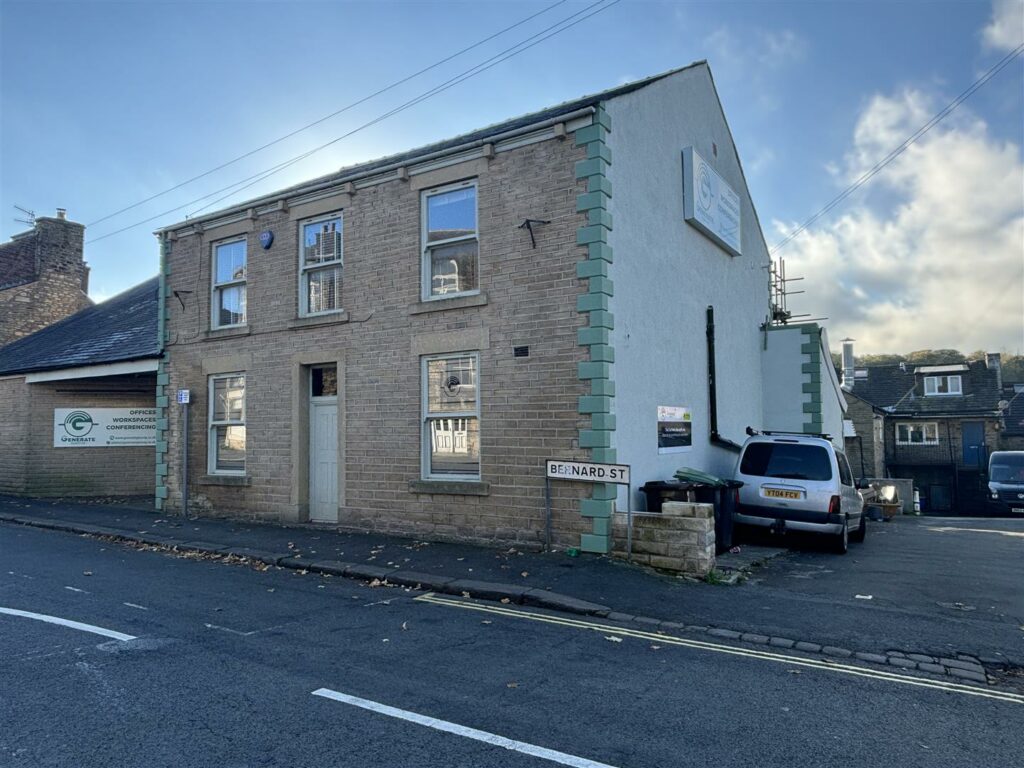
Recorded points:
(460, 302)
(225, 480)
(225, 333)
(450, 487)
(332, 318)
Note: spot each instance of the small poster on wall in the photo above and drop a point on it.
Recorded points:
(675, 429)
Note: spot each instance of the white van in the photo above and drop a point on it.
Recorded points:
(799, 482)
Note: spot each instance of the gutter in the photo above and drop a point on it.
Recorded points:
(406, 161)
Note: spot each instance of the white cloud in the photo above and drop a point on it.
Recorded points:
(758, 59)
(1005, 31)
(932, 252)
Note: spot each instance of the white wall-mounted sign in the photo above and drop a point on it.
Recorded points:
(709, 204)
(103, 427)
(184, 396)
(587, 472)
(675, 429)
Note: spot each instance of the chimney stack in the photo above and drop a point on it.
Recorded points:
(848, 366)
(62, 213)
(994, 362)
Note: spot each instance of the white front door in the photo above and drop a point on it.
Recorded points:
(323, 459)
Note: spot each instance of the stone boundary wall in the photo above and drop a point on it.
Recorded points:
(680, 538)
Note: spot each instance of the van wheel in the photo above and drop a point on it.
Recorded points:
(841, 541)
(862, 529)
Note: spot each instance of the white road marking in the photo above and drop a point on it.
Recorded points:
(461, 730)
(76, 589)
(67, 623)
(133, 605)
(1017, 534)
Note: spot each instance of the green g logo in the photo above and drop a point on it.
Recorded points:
(78, 424)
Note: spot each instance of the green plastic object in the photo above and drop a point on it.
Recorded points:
(690, 475)
(572, 552)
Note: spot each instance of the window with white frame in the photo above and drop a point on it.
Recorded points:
(450, 241)
(320, 257)
(451, 417)
(227, 424)
(917, 433)
(229, 262)
(943, 385)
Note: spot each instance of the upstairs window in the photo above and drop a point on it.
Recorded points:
(229, 261)
(320, 257)
(450, 241)
(942, 385)
(917, 433)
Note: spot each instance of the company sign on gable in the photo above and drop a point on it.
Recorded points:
(103, 427)
(709, 203)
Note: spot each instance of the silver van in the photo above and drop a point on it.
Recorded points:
(800, 483)
(1006, 482)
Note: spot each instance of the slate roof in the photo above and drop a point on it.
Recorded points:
(120, 329)
(362, 169)
(901, 392)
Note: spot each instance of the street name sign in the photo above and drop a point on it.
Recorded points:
(587, 472)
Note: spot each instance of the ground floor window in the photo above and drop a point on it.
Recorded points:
(917, 433)
(451, 417)
(227, 424)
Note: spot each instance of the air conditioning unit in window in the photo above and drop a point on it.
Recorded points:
(328, 244)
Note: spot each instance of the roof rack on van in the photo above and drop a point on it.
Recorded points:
(751, 431)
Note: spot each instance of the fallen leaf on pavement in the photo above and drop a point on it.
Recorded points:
(405, 625)
(465, 594)
(505, 600)
(486, 621)
(524, 574)
(87, 573)
(613, 639)
(655, 647)
(513, 684)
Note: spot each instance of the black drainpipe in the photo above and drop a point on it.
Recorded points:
(716, 438)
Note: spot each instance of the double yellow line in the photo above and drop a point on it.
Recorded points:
(780, 658)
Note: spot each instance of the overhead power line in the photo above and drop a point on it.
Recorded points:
(877, 167)
(347, 107)
(508, 53)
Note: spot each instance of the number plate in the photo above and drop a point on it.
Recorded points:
(777, 493)
(1017, 510)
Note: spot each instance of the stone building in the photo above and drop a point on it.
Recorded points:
(399, 345)
(938, 425)
(77, 402)
(43, 277)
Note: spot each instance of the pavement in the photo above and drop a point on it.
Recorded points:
(938, 592)
(235, 666)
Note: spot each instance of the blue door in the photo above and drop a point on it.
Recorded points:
(973, 444)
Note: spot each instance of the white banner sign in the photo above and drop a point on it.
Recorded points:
(103, 427)
(709, 203)
(587, 472)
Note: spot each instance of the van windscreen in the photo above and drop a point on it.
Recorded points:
(1007, 468)
(787, 460)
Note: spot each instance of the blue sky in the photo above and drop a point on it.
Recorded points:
(106, 103)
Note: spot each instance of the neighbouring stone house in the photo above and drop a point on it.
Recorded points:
(938, 425)
(77, 402)
(43, 277)
(399, 345)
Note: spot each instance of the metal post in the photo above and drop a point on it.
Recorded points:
(547, 503)
(184, 460)
(629, 522)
